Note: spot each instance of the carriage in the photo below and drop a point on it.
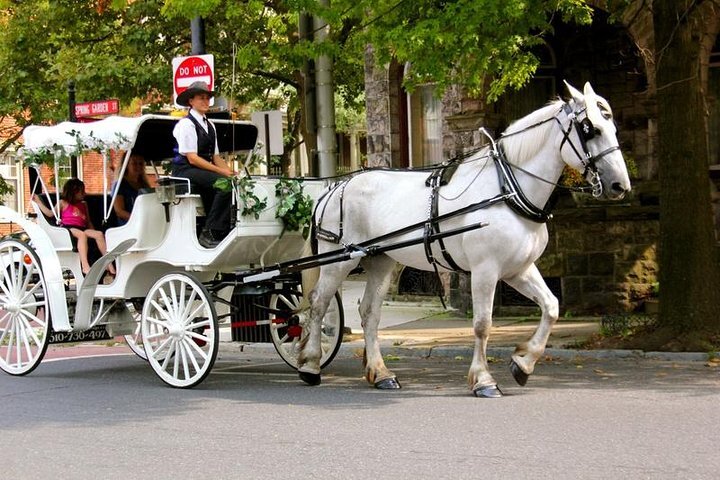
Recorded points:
(170, 296)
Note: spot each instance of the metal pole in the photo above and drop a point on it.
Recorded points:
(197, 35)
(73, 118)
(267, 143)
(305, 31)
(327, 143)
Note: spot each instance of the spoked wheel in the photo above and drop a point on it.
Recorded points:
(180, 330)
(24, 314)
(286, 333)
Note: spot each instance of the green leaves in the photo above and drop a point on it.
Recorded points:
(245, 191)
(294, 207)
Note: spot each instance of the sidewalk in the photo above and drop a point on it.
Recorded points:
(427, 324)
(425, 329)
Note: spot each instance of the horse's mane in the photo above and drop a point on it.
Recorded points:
(519, 145)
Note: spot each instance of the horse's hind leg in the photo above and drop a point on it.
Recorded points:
(378, 281)
(531, 284)
(479, 378)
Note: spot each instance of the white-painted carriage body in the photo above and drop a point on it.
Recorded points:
(148, 246)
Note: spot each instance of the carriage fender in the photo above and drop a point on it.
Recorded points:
(50, 265)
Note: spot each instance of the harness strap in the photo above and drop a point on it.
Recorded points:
(516, 199)
(321, 232)
(433, 227)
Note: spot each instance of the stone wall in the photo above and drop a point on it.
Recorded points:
(606, 257)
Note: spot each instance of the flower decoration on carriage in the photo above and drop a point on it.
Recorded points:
(49, 154)
(295, 207)
(244, 188)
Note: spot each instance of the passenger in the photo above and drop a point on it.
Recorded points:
(199, 161)
(129, 187)
(74, 216)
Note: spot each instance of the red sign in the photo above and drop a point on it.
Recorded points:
(99, 107)
(186, 70)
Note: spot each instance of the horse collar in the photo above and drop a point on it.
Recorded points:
(516, 198)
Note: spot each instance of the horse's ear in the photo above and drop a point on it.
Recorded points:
(588, 90)
(591, 103)
(574, 92)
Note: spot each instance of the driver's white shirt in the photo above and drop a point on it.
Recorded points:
(186, 136)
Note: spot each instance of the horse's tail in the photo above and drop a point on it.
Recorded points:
(310, 276)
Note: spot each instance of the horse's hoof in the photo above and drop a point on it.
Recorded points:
(388, 384)
(310, 378)
(520, 377)
(488, 391)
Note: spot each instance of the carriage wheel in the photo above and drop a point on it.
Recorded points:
(286, 335)
(24, 313)
(180, 330)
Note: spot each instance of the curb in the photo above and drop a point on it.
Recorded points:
(354, 349)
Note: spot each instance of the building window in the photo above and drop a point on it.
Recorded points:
(424, 117)
(11, 171)
(425, 126)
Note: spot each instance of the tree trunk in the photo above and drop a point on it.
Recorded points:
(689, 263)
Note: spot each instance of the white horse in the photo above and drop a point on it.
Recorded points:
(500, 230)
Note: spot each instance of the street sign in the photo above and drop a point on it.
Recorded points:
(96, 108)
(186, 70)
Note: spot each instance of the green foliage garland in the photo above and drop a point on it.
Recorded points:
(294, 207)
(245, 187)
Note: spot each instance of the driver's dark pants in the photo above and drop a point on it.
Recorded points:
(217, 204)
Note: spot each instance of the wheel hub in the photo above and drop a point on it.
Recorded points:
(175, 330)
(11, 307)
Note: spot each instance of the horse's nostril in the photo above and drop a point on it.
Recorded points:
(617, 187)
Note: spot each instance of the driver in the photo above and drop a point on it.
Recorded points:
(198, 160)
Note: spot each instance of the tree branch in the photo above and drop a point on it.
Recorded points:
(683, 19)
(275, 76)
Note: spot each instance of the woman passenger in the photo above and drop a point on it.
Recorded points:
(129, 187)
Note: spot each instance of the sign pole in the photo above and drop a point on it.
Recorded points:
(267, 140)
(197, 36)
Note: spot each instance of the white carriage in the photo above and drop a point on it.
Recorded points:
(170, 296)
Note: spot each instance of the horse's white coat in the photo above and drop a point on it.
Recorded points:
(379, 202)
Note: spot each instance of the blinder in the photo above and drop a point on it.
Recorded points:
(588, 129)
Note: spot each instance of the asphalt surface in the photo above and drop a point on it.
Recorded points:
(111, 417)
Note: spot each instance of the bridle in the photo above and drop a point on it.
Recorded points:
(586, 131)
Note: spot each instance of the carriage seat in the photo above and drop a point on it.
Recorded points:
(146, 224)
(59, 236)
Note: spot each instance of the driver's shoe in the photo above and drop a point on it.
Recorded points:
(208, 240)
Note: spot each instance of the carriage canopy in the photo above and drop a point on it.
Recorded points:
(148, 135)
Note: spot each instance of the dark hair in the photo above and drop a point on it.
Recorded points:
(70, 188)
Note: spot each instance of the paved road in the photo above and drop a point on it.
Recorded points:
(110, 417)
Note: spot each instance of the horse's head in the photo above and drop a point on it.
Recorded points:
(591, 146)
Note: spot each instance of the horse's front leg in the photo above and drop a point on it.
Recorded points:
(310, 351)
(378, 282)
(479, 378)
(531, 284)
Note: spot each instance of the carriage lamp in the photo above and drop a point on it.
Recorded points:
(165, 191)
